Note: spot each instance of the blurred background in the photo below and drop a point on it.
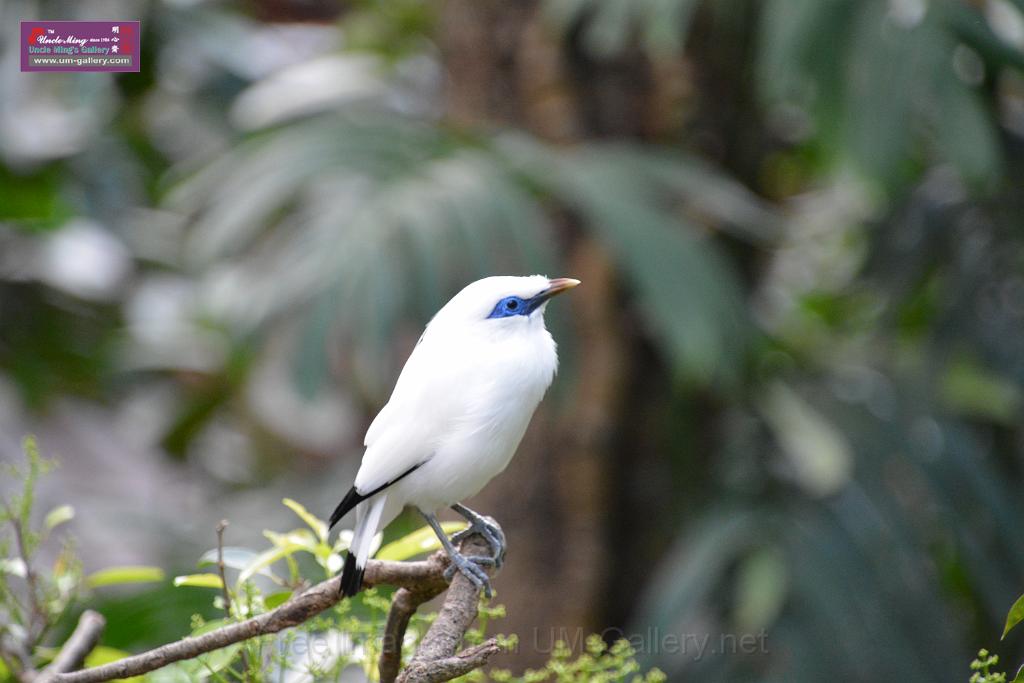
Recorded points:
(791, 389)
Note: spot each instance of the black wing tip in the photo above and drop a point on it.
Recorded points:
(351, 499)
(351, 576)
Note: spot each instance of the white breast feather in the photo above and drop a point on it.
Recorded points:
(453, 385)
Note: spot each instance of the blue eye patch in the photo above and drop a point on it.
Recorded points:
(513, 305)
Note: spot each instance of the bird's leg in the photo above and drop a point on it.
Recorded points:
(469, 566)
(478, 524)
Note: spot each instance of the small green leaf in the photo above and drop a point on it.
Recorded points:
(277, 599)
(969, 389)
(201, 667)
(1019, 678)
(234, 557)
(317, 525)
(760, 589)
(59, 515)
(1015, 616)
(113, 576)
(179, 672)
(102, 654)
(299, 538)
(208, 626)
(423, 540)
(261, 562)
(199, 581)
(218, 659)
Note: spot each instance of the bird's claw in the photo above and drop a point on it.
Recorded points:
(492, 533)
(472, 568)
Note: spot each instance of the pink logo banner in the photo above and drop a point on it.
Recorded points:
(80, 45)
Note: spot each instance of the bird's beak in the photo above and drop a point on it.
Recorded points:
(559, 285)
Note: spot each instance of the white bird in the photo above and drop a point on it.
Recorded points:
(455, 418)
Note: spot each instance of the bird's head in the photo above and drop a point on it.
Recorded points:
(503, 302)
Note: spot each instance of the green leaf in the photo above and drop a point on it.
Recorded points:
(179, 672)
(879, 103)
(218, 659)
(101, 654)
(1015, 616)
(318, 526)
(965, 131)
(33, 201)
(262, 562)
(234, 557)
(199, 581)
(760, 590)
(113, 576)
(244, 559)
(970, 389)
(298, 538)
(687, 288)
(423, 540)
(277, 599)
(58, 516)
(1019, 678)
(208, 626)
(202, 666)
(821, 458)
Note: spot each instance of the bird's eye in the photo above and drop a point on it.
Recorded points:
(511, 304)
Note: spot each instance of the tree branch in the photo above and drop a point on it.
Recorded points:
(403, 605)
(84, 638)
(436, 659)
(451, 667)
(418, 582)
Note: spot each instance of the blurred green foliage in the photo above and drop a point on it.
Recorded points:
(35, 600)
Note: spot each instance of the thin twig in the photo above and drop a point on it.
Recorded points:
(82, 641)
(226, 592)
(221, 526)
(37, 618)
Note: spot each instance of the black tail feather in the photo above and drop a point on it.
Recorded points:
(351, 576)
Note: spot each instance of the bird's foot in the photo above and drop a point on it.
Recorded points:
(472, 568)
(492, 533)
